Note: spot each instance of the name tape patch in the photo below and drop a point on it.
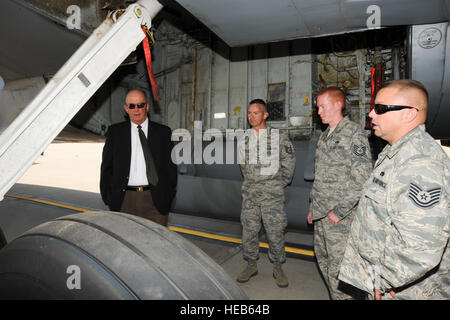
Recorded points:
(379, 182)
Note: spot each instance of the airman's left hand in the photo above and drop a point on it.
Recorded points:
(334, 220)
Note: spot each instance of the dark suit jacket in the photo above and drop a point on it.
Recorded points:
(116, 159)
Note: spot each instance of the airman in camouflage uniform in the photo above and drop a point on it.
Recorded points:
(342, 165)
(399, 238)
(263, 191)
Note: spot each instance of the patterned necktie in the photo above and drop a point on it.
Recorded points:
(152, 175)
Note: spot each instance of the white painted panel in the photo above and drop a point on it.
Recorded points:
(219, 99)
(238, 94)
(300, 86)
(203, 87)
(258, 79)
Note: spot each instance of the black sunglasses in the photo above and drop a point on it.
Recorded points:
(383, 108)
(139, 105)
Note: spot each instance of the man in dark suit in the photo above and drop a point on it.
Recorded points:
(137, 173)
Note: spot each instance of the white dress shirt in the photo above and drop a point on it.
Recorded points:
(138, 169)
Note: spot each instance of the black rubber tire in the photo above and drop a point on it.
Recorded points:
(118, 256)
(2, 239)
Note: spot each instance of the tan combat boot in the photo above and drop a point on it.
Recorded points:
(249, 271)
(280, 277)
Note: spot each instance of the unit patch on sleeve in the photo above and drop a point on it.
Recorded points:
(424, 198)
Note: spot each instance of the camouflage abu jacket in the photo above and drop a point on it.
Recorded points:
(343, 163)
(399, 236)
(267, 170)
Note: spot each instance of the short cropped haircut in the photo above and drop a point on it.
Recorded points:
(259, 101)
(334, 92)
(406, 84)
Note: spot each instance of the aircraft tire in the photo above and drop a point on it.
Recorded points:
(109, 255)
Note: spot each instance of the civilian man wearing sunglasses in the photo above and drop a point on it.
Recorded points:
(398, 245)
(137, 174)
(342, 165)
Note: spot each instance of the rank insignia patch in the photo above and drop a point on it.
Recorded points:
(424, 198)
(359, 150)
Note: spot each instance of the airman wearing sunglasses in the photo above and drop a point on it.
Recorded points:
(137, 174)
(342, 165)
(398, 245)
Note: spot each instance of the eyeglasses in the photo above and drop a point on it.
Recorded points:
(383, 108)
(139, 105)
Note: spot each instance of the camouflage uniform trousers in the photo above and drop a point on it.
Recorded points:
(274, 219)
(329, 247)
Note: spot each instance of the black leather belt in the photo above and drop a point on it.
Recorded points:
(138, 188)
